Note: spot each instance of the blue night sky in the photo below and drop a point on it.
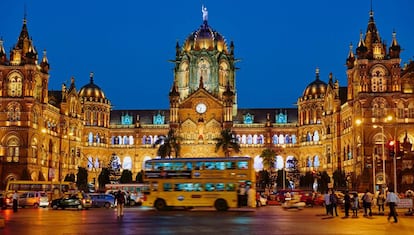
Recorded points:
(128, 43)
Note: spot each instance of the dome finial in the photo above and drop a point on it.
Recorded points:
(205, 13)
(91, 77)
(317, 73)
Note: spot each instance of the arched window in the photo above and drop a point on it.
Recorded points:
(316, 136)
(279, 163)
(127, 164)
(244, 139)
(249, 139)
(281, 139)
(13, 149)
(14, 88)
(316, 163)
(275, 139)
(254, 139)
(258, 163)
(131, 140)
(13, 111)
(90, 137)
(293, 139)
(97, 164)
(125, 140)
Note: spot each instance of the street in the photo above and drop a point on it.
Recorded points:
(263, 220)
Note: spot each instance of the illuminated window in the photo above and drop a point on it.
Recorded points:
(15, 85)
(158, 119)
(13, 151)
(126, 119)
(248, 118)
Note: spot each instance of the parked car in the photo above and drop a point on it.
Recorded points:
(262, 200)
(34, 199)
(72, 201)
(102, 200)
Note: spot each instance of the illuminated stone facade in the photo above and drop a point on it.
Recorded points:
(46, 134)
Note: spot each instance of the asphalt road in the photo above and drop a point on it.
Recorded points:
(264, 220)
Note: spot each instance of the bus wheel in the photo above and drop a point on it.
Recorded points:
(221, 205)
(160, 204)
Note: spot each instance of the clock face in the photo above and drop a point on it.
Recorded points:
(201, 108)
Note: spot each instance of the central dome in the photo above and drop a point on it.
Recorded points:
(315, 88)
(205, 38)
(91, 90)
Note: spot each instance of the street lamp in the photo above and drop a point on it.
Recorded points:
(383, 154)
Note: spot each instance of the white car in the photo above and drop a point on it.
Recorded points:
(262, 201)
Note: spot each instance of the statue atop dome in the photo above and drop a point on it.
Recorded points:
(205, 13)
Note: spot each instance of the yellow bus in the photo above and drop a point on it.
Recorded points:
(193, 182)
(54, 189)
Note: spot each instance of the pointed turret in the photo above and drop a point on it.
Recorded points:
(3, 57)
(45, 63)
(174, 91)
(351, 58)
(24, 52)
(395, 48)
(376, 49)
(361, 49)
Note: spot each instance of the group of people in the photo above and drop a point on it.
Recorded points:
(351, 202)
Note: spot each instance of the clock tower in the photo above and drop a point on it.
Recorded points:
(202, 98)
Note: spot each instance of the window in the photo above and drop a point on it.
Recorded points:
(13, 149)
(14, 84)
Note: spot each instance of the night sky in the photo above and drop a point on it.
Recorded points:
(127, 44)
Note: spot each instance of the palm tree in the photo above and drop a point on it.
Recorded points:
(268, 157)
(168, 144)
(227, 142)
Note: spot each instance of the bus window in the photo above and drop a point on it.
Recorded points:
(199, 166)
(220, 166)
(230, 187)
(242, 165)
(189, 166)
(230, 165)
(220, 187)
(209, 165)
(178, 166)
(167, 187)
(209, 187)
(198, 187)
(154, 186)
(148, 166)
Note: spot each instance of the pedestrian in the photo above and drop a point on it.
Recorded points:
(327, 201)
(380, 202)
(347, 203)
(392, 201)
(120, 202)
(355, 205)
(334, 202)
(15, 198)
(366, 202)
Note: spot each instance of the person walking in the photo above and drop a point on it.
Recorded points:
(392, 201)
(15, 198)
(380, 203)
(355, 205)
(367, 202)
(120, 203)
(347, 203)
(327, 201)
(334, 202)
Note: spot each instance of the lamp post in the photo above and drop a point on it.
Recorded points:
(383, 154)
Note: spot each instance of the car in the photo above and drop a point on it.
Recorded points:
(34, 199)
(102, 200)
(71, 201)
(262, 200)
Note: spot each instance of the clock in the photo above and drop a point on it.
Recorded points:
(201, 108)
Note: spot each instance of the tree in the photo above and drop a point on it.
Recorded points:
(168, 144)
(126, 177)
(227, 142)
(104, 178)
(139, 178)
(339, 179)
(323, 181)
(268, 157)
(82, 179)
(307, 180)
